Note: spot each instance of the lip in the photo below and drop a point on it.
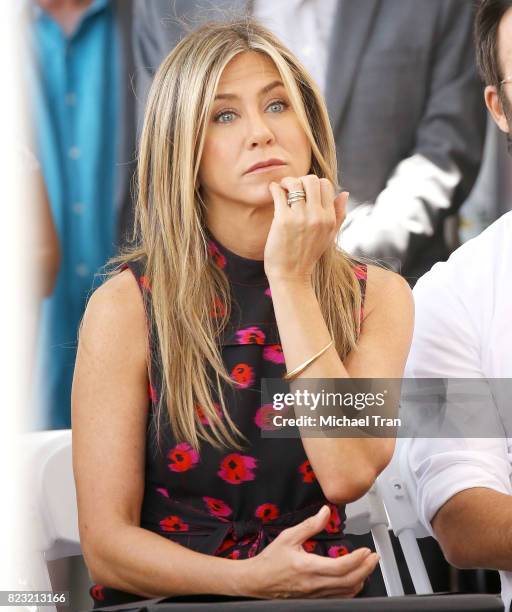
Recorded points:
(268, 164)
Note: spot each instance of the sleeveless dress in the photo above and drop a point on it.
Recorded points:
(232, 504)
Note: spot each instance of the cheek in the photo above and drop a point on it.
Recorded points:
(218, 155)
(299, 144)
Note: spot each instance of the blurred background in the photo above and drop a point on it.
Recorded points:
(425, 167)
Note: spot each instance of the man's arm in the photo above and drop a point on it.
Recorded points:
(474, 529)
(464, 490)
(442, 168)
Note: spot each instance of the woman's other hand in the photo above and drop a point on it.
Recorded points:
(300, 233)
(284, 569)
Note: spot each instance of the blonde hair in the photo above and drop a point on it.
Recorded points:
(169, 232)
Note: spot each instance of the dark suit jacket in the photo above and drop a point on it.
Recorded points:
(406, 108)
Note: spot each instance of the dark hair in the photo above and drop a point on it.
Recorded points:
(487, 20)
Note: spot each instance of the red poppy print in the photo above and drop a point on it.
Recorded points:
(152, 393)
(217, 256)
(273, 353)
(236, 468)
(163, 491)
(267, 512)
(97, 592)
(337, 551)
(144, 282)
(250, 335)
(309, 545)
(234, 554)
(183, 457)
(173, 523)
(268, 292)
(308, 475)
(203, 418)
(361, 271)
(217, 507)
(228, 543)
(243, 375)
(334, 522)
(219, 308)
(263, 417)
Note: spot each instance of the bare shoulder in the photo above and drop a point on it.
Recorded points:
(115, 312)
(118, 288)
(386, 290)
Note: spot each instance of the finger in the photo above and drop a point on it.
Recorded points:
(347, 585)
(292, 183)
(311, 184)
(306, 529)
(327, 194)
(360, 573)
(345, 593)
(339, 566)
(340, 208)
(279, 196)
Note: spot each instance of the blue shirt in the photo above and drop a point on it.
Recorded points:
(73, 85)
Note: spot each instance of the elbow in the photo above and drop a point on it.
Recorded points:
(457, 550)
(350, 488)
(457, 554)
(93, 570)
(97, 552)
(358, 477)
(93, 563)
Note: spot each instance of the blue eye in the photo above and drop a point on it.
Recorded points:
(220, 117)
(278, 103)
(223, 114)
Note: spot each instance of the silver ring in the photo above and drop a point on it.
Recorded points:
(295, 196)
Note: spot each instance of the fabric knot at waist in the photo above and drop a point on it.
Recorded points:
(242, 529)
(217, 535)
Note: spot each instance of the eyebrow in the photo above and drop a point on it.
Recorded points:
(266, 89)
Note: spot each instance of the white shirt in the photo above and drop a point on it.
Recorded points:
(305, 27)
(463, 329)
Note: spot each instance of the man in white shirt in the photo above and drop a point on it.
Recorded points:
(464, 330)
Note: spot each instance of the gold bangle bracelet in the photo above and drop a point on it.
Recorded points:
(294, 373)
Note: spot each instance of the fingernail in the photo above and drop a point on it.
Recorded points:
(366, 551)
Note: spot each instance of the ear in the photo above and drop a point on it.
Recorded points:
(493, 103)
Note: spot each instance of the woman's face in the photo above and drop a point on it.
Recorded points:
(252, 121)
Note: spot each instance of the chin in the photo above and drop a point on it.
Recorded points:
(256, 195)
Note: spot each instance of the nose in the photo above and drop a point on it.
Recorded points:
(258, 132)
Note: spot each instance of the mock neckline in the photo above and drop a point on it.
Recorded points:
(241, 270)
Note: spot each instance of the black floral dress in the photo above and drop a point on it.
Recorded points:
(232, 504)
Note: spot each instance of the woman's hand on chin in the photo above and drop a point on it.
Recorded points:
(300, 233)
(284, 569)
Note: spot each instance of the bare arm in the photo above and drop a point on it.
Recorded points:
(381, 353)
(109, 412)
(465, 514)
(47, 250)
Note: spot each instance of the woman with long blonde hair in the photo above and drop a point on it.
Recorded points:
(234, 275)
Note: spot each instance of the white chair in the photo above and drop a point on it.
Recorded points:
(369, 514)
(50, 511)
(397, 490)
(389, 504)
